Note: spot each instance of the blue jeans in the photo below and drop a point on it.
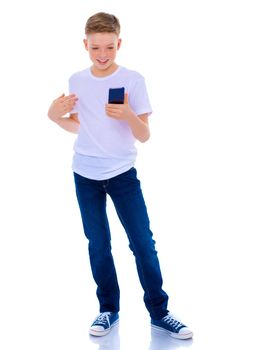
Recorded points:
(126, 194)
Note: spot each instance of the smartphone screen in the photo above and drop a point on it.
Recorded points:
(116, 95)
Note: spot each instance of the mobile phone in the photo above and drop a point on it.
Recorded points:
(116, 95)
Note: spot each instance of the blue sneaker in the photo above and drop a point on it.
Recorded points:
(173, 327)
(103, 323)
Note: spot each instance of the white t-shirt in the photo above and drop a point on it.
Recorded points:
(105, 147)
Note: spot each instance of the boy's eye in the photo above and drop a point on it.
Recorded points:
(96, 48)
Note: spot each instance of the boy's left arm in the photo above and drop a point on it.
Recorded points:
(139, 124)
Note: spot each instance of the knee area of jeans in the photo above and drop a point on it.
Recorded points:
(99, 249)
(143, 251)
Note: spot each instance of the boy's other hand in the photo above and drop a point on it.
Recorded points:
(120, 111)
(61, 105)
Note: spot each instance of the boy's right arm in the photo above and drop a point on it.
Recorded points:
(59, 108)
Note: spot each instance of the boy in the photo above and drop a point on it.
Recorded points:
(103, 163)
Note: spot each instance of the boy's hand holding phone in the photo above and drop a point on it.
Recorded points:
(118, 107)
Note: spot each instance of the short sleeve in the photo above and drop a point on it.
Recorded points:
(139, 99)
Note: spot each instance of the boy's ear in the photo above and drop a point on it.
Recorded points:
(119, 43)
(86, 44)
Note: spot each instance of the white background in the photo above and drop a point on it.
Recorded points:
(210, 174)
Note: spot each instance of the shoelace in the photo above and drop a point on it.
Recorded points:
(103, 318)
(169, 319)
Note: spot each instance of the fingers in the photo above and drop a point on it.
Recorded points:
(114, 111)
(69, 100)
(110, 110)
(70, 97)
(126, 98)
(68, 105)
(64, 98)
(64, 104)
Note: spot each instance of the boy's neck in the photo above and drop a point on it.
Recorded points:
(103, 73)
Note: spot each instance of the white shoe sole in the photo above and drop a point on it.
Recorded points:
(102, 333)
(188, 335)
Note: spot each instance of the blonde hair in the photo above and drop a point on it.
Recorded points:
(103, 22)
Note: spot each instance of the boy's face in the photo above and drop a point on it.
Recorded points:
(102, 48)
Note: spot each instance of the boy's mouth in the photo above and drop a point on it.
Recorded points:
(102, 62)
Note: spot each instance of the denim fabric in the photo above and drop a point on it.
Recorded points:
(125, 191)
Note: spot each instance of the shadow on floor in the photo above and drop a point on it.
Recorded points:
(159, 341)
